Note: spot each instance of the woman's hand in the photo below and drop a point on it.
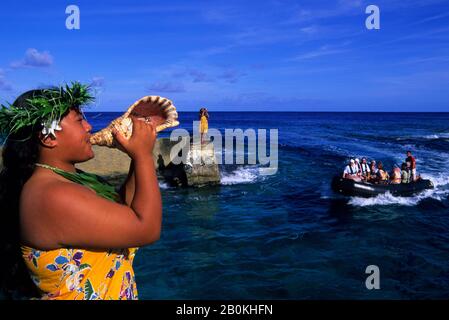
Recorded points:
(141, 142)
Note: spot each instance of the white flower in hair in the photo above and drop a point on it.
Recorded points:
(50, 128)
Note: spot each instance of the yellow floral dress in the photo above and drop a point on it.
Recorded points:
(203, 124)
(79, 274)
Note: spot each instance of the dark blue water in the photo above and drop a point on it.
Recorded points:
(287, 236)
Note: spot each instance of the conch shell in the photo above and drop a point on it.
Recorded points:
(160, 111)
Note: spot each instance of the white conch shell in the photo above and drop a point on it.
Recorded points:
(160, 110)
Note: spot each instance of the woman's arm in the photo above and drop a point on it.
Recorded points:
(127, 189)
(59, 214)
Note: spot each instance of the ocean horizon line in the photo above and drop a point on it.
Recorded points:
(289, 111)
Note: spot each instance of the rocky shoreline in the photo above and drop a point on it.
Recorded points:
(113, 165)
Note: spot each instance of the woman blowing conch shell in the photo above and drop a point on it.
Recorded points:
(65, 233)
(159, 111)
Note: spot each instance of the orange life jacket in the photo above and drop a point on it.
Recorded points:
(383, 175)
(396, 175)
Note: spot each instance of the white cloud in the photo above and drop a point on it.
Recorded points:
(232, 75)
(166, 87)
(196, 75)
(419, 60)
(350, 3)
(139, 10)
(262, 100)
(432, 18)
(34, 58)
(309, 30)
(224, 15)
(325, 50)
(317, 53)
(199, 76)
(4, 84)
(209, 74)
(97, 82)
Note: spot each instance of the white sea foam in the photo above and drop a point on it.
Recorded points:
(384, 200)
(240, 175)
(439, 181)
(437, 136)
(163, 185)
(442, 135)
(440, 192)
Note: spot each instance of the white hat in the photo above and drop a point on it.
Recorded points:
(357, 160)
(352, 161)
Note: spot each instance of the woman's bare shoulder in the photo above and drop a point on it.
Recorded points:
(35, 189)
(44, 187)
(37, 221)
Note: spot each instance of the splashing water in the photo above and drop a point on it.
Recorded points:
(438, 193)
(241, 175)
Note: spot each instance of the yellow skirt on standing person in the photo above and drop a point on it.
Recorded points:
(204, 125)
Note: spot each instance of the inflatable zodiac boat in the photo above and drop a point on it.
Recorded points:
(353, 188)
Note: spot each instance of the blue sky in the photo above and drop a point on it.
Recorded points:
(309, 55)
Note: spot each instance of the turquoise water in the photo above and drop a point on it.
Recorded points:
(287, 236)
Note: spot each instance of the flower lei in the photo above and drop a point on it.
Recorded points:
(45, 109)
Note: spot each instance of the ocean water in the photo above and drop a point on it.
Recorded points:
(288, 236)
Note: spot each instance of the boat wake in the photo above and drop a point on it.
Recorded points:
(439, 193)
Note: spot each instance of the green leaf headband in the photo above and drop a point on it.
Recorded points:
(45, 109)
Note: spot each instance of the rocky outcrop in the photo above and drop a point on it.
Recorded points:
(200, 169)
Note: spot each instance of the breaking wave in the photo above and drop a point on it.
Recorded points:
(240, 175)
(163, 185)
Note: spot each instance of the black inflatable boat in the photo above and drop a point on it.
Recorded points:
(353, 188)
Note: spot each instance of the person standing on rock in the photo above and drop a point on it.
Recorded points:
(204, 126)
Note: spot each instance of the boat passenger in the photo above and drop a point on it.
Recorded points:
(351, 171)
(372, 167)
(359, 168)
(405, 174)
(396, 175)
(382, 175)
(365, 169)
(412, 161)
(373, 171)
